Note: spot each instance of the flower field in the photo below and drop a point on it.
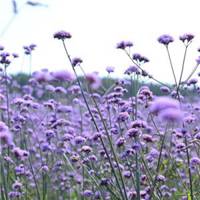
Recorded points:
(66, 137)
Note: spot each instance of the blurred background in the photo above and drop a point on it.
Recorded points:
(96, 27)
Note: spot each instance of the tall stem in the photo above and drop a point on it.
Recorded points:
(93, 120)
(159, 162)
(171, 65)
(189, 171)
(182, 69)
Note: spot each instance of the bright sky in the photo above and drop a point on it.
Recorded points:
(96, 26)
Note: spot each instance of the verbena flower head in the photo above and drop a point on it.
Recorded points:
(165, 39)
(186, 37)
(28, 49)
(76, 61)
(110, 69)
(4, 58)
(94, 80)
(62, 35)
(124, 44)
(131, 69)
(139, 58)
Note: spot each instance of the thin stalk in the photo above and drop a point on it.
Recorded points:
(111, 146)
(94, 122)
(171, 65)
(183, 65)
(159, 162)
(44, 186)
(30, 64)
(189, 171)
(32, 171)
(137, 173)
(8, 115)
(4, 179)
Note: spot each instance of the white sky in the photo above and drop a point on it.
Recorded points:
(96, 26)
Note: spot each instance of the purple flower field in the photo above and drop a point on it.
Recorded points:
(64, 137)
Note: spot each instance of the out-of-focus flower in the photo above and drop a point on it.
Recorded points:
(162, 103)
(42, 76)
(167, 109)
(165, 89)
(165, 39)
(62, 35)
(93, 80)
(171, 115)
(63, 75)
(1, 48)
(5, 135)
(15, 55)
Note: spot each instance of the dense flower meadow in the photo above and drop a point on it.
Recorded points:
(65, 138)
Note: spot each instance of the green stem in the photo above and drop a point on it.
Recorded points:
(189, 171)
(93, 120)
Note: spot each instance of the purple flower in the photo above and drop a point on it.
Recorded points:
(195, 161)
(124, 44)
(42, 76)
(4, 58)
(63, 75)
(15, 55)
(171, 115)
(76, 61)
(192, 81)
(28, 49)
(32, 46)
(167, 109)
(5, 136)
(110, 69)
(165, 89)
(198, 60)
(140, 58)
(186, 37)
(165, 39)
(1, 48)
(94, 80)
(62, 35)
(131, 69)
(162, 103)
